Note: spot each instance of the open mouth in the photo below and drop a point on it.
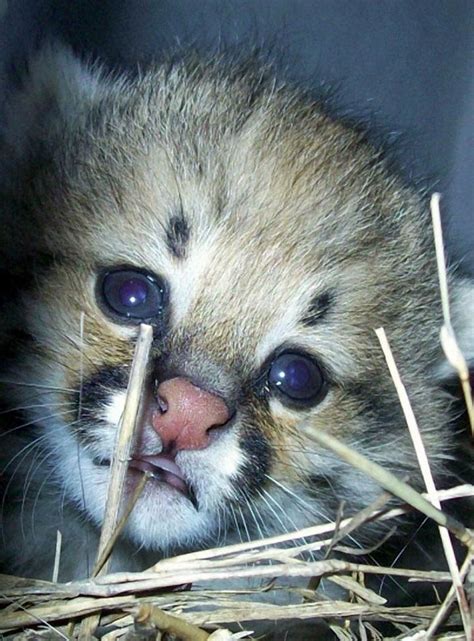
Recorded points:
(163, 469)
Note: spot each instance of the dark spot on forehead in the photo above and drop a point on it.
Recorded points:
(318, 308)
(177, 234)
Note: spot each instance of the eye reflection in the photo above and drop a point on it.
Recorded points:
(131, 295)
(133, 292)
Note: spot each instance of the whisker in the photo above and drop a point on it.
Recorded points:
(311, 508)
(237, 527)
(394, 561)
(36, 464)
(38, 493)
(25, 451)
(23, 408)
(79, 346)
(37, 439)
(290, 520)
(34, 422)
(254, 517)
(220, 515)
(262, 494)
(39, 386)
(244, 523)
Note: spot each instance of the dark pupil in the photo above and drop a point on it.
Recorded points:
(297, 377)
(296, 374)
(132, 295)
(133, 292)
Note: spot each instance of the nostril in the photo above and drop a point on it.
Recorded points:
(214, 430)
(187, 414)
(162, 403)
(222, 417)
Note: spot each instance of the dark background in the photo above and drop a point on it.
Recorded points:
(405, 65)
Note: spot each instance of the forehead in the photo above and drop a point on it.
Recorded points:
(247, 218)
(281, 185)
(232, 230)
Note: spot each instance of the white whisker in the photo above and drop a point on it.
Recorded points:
(236, 522)
(244, 523)
(39, 386)
(20, 408)
(254, 517)
(37, 420)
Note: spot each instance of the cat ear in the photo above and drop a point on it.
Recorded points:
(462, 320)
(56, 88)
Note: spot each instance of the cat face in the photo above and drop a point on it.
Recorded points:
(264, 243)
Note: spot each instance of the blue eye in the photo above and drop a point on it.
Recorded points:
(296, 377)
(132, 295)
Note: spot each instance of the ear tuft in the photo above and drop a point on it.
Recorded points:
(56, 88)
(462, 319)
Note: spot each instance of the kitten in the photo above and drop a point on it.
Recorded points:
(264, 241)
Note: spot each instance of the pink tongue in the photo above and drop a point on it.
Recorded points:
(168, 470)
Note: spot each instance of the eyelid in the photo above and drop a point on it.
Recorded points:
(158, 289)
(263, 388)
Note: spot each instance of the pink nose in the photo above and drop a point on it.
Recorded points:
(186, 414)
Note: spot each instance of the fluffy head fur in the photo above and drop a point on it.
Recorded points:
(273, 227)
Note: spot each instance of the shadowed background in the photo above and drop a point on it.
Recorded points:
(407, 66)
